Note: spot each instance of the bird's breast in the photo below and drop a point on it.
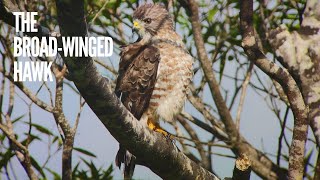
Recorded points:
(173, 78)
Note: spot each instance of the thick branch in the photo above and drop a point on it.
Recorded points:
(67, 131)
(300, 53)
(288, 84)
(208, 72)
(261, 164)
(242, 169)
(152, 149)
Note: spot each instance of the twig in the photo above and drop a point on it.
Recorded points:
(243, 94)
(101, 9)
(50, 93)
(74, 129)
(28, 93)
(216, 131)
(199, 105)
(112, 70)
(194, 136)
(281, 93)
(2, 89)
(211, 144)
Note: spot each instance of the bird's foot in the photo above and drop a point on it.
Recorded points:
(156, 127)
(167, 135)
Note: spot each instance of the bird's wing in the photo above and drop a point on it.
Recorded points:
(137, 77)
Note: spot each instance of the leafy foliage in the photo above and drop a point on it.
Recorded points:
(93, 173)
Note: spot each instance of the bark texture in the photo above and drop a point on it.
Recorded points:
(261, 164)
(152, 149)
(299, 52)
(242, 169)
(286, 78)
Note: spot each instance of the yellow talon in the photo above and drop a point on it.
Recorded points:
(156, 127)
(163, 132)
(151, 125)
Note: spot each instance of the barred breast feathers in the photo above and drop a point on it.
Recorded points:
(173, 77)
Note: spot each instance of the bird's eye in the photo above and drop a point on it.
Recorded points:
(147, 20)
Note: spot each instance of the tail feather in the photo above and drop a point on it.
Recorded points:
(119, 158)
(128, 159)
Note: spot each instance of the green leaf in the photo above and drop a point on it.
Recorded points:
(211, 14)
(93, 169)
(107, 174)
(222, 65)
(75, 170)
(307, 158)
(230, 58)
(32, 137)
(286, 157)
(94, 173)
(56, 138)
(56, 176)
(6, 158)
(41, 129)
(17, 119)
(37, 166)
(2, 137)
(83, 151)
(292, 16)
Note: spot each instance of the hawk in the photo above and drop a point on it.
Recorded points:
(154, 74)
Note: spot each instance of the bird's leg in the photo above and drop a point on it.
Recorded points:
(156, 127)
(150, 124)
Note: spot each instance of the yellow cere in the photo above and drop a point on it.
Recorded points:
(136, 25)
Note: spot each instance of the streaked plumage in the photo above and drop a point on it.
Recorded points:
(154, 73)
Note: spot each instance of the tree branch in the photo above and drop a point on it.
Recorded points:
(68, 132)
(151, 148)
(242, 169)
(243, 94)
(282, 76)
(300, 52)
(216, 131)
(27, 92)
(204, 161)
(21, 151)
(261, 164)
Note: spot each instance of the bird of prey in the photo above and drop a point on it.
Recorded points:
(154, 74)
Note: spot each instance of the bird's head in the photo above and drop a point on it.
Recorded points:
(148, 19)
